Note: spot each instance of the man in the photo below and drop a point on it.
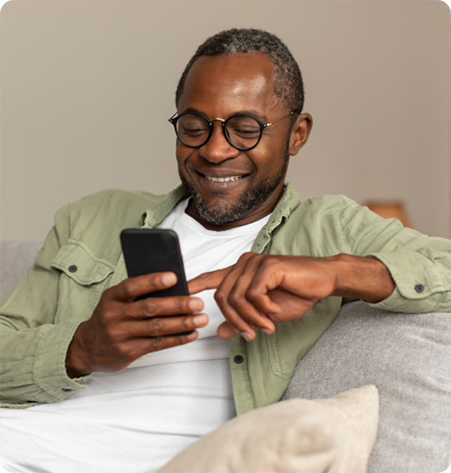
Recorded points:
(134, 389)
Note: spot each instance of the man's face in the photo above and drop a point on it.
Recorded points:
(219, 87)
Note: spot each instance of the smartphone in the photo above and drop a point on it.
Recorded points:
(148, 250)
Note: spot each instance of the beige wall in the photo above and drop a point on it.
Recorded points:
(87, 86)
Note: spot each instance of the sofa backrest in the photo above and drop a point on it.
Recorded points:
(15, 258)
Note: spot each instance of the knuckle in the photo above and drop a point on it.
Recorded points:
(113, 334)
(220, 297)
(158, 343)
(125, 353)
(150, 306)
(252, 293)
(107, 315)
(155, 327)
(234, 299)
(127, 288)
(181, 305)
(187, 323)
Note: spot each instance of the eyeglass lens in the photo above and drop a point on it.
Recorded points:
(243, 132)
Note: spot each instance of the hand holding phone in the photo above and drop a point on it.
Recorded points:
(129, 321)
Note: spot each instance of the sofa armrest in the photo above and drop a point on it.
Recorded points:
(408, 358)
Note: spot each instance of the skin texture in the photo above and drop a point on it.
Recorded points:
(259, 290)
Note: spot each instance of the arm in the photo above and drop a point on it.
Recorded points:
(52, 325)
(261, 290)
(385, 264)
(30, 370)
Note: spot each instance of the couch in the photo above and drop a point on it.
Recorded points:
(406, 356)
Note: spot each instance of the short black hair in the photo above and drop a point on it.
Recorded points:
(288, 85)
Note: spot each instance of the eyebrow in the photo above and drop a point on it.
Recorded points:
(250, 112)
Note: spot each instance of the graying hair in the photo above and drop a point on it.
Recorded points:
(288, 85)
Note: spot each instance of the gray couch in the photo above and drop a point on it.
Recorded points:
(407, 356)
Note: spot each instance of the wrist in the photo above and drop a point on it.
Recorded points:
(362, 277)
(76, 358)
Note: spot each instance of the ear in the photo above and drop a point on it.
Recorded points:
(300, 132)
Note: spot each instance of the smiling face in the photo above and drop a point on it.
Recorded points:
(230, 187)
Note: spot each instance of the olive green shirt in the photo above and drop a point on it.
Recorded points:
(82, 257)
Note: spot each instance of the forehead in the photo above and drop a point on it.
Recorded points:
(222, 85)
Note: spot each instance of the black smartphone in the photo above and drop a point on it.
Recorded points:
(148, 250)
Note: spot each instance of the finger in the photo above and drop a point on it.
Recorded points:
(231, 298)
(225, 330)
(266, 278)
(232, 316)
(238, 298)
(131, 288)
(164, 326)
(142, 346)
(164, 306)
(205, 281)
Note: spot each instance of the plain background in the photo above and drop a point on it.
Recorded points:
(87, 87)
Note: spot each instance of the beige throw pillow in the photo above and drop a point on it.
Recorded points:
(295, 436)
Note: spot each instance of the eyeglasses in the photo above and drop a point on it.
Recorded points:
(243, 132)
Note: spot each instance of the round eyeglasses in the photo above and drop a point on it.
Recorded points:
(243, 132)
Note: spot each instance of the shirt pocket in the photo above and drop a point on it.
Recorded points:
(83, 279)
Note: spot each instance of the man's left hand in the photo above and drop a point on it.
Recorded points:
(261, 290)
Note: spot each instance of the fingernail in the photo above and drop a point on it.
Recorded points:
(195, 305)
(200, 320)
(267, 331)
(169, 279)
(246, 336)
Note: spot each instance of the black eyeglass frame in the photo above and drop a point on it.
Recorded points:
(223, 121)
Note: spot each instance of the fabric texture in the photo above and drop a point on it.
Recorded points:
(296, 436)
(40, 315)
(408, 358)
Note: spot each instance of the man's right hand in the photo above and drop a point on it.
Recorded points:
(121, 330)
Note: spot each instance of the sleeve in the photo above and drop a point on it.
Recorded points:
(420, 265)
(33, 346)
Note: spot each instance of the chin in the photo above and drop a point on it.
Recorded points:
(218, 210)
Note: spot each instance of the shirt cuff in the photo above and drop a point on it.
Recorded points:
(416, 278)
(49, 369)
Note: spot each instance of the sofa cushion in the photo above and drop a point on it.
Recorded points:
(15, 258)
(295, 436)
(408, 358)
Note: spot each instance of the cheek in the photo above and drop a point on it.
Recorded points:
(268, 159)
(182, 154)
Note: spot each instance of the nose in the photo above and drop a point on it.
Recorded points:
(217, 148)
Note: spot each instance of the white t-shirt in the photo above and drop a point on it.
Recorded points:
(137, 419)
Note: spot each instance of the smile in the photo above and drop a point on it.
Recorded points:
(224, 179)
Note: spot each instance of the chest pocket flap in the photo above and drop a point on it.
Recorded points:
(79, 263)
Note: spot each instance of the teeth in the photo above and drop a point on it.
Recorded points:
(224, 179)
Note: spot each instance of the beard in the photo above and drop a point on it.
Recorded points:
(218, 211)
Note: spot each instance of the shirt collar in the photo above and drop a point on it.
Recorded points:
(153, 216)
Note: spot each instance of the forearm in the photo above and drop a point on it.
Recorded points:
(36, 374)
(362, 277)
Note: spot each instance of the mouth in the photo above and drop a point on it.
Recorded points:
(224, 179)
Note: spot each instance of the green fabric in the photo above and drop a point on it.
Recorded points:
(40, 315)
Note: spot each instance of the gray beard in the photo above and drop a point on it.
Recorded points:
(219, 212)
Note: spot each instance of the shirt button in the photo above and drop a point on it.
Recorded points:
(238, 359)
(73, 268)
(419, 288)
